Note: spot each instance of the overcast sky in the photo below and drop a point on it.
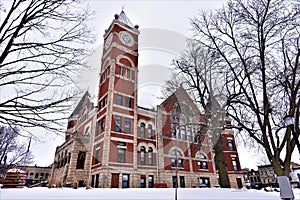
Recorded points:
(164, 27)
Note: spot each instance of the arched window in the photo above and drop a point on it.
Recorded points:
(143, 150)
(83, 116)
(80, 160)
(87, 131)
(201, 156)
(176, 162)
(142, 130)
(36, 175)
(149, 131)
(150, 156)
(176, 152)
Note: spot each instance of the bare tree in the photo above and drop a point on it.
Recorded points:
(259, 48)
(197, 71)
(43, 48)
(12, 151)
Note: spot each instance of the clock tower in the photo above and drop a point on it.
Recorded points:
(115, 137)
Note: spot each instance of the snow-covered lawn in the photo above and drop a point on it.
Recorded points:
(138, 193)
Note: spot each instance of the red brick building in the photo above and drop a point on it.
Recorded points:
(131, 146)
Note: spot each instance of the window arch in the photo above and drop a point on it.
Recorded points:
(149, 131)
(150, 156)
(143, 151)
(176, 152)
(143, 130)
(201, 156)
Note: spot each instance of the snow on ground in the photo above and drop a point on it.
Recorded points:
(138, 193)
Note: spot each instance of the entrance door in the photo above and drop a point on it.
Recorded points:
(239, 182)
(115, 181)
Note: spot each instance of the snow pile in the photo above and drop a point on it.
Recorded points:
(139, 193)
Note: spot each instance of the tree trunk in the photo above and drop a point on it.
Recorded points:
(221, 164)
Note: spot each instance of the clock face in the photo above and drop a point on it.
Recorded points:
(126, 38)
(108, 40)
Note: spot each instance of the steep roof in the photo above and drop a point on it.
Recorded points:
(79, 105)
(180, 95)
(123, 18)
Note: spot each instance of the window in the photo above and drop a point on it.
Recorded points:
(149, 131)
(102, 124)
(174, 131)
(189, 134)
(102, 102)
(87, 131)
(128, 102)
(179, 163)
(230, 144)
(202, 165)
(69, 157)
(118, 123)
(128, 73)
(178, 132)
(234, 163)
(204, 182)
(142, 130)
(83, 116)
(31, 175)
(125, 181)
(80, 160)
(120, 70)
(47, 175)
(199, 165)
(97, 154)
(150, 156)
(127, 125)
(121, 155)
(174, 181)
(142, 182)
(143, 150)
(183, 133)
(173, 162)
(181, 181)
(119, 100)
(36, 175)
(150, 181)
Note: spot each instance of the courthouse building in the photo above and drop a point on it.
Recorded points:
(118, 144)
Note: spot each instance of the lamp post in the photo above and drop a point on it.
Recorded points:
(289, 121)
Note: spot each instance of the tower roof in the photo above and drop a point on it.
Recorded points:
(123, 18)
